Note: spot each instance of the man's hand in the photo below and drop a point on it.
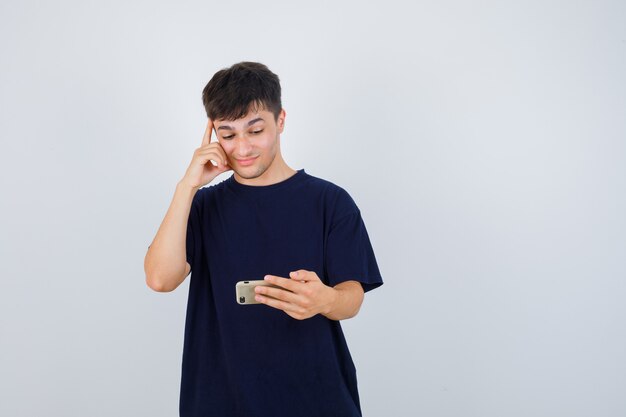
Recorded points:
(200, 171)
(303, 296)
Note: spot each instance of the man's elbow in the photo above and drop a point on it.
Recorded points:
(159, 285)
(155, 286)
(357, 307)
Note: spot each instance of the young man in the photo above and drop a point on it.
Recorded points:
(286, 356)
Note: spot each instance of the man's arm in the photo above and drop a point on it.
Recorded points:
(165, 263)
(304, 295)
(348, 299)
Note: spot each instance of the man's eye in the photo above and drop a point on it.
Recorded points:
(256, 132)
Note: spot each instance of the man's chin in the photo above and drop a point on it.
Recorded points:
(248, 174)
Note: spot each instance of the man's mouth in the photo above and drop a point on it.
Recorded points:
(245, 161)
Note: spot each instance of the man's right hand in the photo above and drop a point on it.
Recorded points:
(201, 171)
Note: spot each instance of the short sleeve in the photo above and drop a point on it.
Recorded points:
(349, 253)
(193, 243)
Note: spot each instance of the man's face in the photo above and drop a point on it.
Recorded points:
(252, 142)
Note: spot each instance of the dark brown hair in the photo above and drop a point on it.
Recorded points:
(245, 86)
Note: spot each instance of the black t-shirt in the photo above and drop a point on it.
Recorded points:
(255, 360)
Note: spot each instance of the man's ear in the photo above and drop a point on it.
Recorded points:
(281, 120)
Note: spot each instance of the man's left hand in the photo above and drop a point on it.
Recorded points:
(304, 294)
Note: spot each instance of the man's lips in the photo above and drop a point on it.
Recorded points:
(245, 161)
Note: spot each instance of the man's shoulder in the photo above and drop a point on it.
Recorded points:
(325, 184)
(334, 195)
(206, 193)
(211, 189)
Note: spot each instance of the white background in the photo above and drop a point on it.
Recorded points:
(484, 143)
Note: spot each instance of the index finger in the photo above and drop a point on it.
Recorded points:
(287, 283)
(206, 139)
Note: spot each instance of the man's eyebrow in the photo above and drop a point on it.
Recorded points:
(251, 122)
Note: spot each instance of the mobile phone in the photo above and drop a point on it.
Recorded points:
(244, 290)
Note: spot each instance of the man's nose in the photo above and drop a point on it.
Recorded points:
(244, 146)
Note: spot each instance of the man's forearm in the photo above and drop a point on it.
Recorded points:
(347, 301)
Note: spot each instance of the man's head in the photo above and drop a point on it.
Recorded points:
(232, 91)
(244, 103)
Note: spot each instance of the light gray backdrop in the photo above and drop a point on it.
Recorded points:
(482, 141)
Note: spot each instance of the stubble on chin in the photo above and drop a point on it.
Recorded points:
(260, 170)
